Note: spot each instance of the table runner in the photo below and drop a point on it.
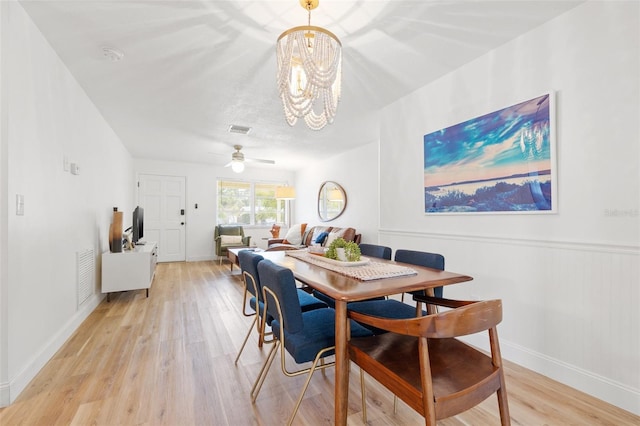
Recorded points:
(369, 272)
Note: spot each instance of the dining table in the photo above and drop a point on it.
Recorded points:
(345, 288)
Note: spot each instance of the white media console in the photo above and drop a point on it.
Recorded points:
(130, 269)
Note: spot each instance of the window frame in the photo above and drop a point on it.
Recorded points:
(283, 209)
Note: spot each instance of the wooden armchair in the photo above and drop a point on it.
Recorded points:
(421, 361)
(229, 236)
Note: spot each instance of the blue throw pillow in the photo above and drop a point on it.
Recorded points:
(320, 238)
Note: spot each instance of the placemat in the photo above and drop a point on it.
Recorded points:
(370, 271)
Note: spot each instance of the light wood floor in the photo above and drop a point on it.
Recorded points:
(168, 360)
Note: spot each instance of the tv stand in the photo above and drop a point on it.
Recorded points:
(130, 269)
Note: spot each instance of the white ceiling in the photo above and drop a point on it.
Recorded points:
(192, 68)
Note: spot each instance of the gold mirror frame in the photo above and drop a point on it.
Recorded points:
(332, 200)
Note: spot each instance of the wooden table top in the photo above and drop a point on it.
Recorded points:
(341, 287)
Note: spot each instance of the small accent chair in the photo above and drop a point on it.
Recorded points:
(220, 237)
(421, 361)
(307, 336)
(249, 261)
(370, 250)
(393, 309)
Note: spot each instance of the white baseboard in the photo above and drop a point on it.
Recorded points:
(597, 386)
(10, 391)
(4, 394)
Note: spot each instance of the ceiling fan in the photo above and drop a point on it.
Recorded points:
(238, 159)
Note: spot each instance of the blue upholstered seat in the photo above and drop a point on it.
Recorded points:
(308, 302)
(307, 336)
(249, 261)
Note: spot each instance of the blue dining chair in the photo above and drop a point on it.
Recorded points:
(374, 250)
(367, 250)
(306, 336)
(395, 309)
(249, 262)
(422, 258)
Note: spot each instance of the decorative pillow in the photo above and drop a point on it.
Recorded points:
(294, 234)
(320, 238)
(332, 236)
(227, 240)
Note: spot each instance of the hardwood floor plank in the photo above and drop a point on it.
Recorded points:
(169, 360)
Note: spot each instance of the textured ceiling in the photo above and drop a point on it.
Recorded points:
(192, 68)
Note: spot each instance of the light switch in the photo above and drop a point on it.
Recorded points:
(75, 169)
(19, 204)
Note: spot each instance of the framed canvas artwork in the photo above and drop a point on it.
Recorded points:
(501, 162)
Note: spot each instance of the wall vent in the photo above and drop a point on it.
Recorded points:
(86, 275)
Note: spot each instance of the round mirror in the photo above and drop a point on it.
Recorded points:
(332, 200)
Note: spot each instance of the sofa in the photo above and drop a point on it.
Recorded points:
(311, 234)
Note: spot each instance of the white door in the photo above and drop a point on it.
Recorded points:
(163, 201)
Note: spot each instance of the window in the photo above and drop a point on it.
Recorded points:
(249, 203)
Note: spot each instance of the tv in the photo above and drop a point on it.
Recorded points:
(138, 225)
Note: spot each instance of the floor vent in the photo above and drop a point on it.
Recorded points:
(86, 275)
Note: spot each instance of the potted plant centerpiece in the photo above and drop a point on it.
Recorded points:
(342, 250)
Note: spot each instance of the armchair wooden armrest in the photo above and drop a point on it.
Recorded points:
(440, 301)
(274, 241)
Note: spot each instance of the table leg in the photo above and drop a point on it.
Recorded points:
(232, 260)
(341, 394)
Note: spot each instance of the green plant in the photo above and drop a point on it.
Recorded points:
(351, 250)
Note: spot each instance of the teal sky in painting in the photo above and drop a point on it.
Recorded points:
(493, 145)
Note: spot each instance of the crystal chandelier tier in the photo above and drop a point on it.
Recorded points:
(309, 72)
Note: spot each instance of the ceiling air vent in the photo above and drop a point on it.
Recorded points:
(243, 130)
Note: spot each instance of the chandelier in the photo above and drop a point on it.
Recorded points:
(309, 72)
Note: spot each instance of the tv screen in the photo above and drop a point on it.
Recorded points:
(138, 224)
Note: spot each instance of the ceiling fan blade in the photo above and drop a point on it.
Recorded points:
(256, 160)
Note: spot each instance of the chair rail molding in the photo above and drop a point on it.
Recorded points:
(520, 241)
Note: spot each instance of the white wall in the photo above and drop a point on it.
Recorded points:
(569, 281)
(356, 171)
(201, 189)
(48, 116)
(4, 206)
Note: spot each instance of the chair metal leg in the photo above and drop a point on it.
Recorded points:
(263, 371)
(306, 385)
(364, 402)
(245, 339)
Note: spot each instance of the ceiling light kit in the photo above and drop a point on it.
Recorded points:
(238, 159)
(309, 72)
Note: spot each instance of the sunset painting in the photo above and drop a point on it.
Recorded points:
(499, 162)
